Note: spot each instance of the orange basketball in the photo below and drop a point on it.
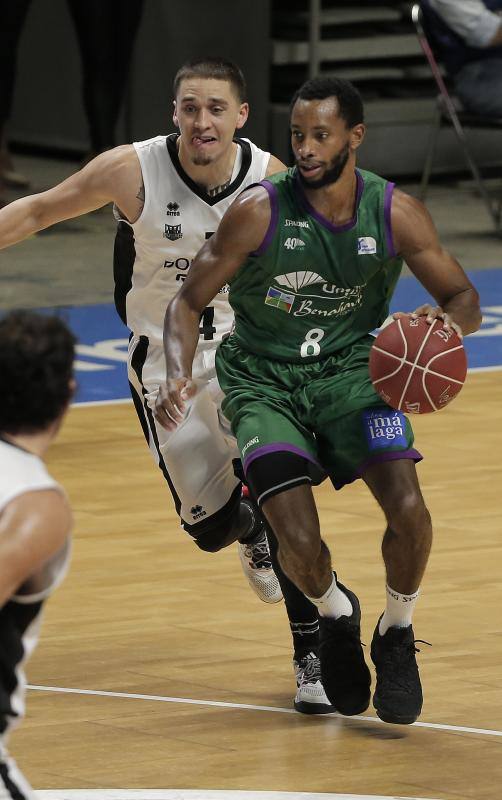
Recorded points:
(417, 367)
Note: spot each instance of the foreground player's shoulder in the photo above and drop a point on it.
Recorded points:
(252, 200)
(38, 523)
(412, 225)
(246, 222)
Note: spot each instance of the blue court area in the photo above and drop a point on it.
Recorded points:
(102, 348)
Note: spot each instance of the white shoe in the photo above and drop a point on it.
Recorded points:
(310, 696)
(257, 567)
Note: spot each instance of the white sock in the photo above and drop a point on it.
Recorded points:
(399, 610)
(333, 603)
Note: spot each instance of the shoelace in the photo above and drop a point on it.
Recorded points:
(259, 554)
(309, 670)
(420, 641)
(398, 659)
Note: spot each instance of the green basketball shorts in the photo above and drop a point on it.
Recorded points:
(325, 411)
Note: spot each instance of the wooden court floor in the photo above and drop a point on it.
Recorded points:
(143, 612)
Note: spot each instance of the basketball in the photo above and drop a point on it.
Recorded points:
(417, 367)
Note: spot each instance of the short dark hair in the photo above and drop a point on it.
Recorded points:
(36, 367)
(349, 100)
(220, 69)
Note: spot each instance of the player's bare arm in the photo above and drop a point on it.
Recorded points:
(114, 176)
(416, 240)
(240, 232)
(33, 528)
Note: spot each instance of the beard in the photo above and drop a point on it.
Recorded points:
(202, 160)
(332, 174)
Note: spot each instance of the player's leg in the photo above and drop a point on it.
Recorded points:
(197, 463)
(405, 548)
(281, 482)
(303, 619)
(304, 625)
(376, 443)
(357, 436)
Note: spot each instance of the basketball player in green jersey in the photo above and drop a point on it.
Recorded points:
(312, 257)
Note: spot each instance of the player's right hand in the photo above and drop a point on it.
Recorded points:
(170, 402)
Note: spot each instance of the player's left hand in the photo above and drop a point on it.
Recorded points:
(170, 403)
(432, 313)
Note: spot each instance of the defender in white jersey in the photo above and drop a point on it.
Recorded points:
(36, 358)
(152, 258)
(169, 194)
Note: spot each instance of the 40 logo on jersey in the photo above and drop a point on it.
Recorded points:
(293, 242)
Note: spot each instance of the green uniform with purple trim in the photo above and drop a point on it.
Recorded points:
(295, 369)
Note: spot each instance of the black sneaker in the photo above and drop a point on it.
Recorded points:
(345, 676)
(398, 693)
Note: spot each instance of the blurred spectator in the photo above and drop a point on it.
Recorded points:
(106, 30)
(468, 35)
(12, 17)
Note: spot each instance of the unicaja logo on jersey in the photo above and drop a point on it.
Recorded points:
(292, 243)
(293, 281)
(172, 232)
(297, 280)
(310, 299)
(366, 246)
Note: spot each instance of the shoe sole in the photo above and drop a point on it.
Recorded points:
(264, 599)
(393, 719)
(352, 712)
(313, 709)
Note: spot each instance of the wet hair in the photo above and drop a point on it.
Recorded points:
(36, 367)
(220, 69)
(349, 100)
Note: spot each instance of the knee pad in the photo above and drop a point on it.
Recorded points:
(220, 529)
(273, 473)
(216, 538)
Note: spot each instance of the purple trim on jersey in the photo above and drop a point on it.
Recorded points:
(325, 222)
(277, 447)
(389, 188)
(274, 217)
(381, 458)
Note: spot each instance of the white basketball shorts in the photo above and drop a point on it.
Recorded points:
(197, 458)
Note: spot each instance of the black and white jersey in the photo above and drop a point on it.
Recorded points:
(153, 255)
(20, 617)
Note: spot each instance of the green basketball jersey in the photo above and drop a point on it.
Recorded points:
(314, 288)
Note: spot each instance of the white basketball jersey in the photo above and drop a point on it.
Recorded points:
(20, 617)
(153, 255)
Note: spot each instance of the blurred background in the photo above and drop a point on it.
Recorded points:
(277, 43)
(85, 75)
